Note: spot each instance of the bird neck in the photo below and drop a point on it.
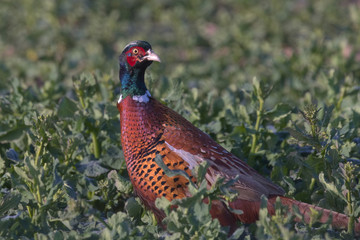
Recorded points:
(132, 81)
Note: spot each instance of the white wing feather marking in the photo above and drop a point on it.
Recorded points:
(192, 160)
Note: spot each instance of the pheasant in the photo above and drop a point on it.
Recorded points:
(149, 128)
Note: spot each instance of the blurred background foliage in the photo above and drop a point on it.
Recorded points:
(207, 45)
(239, 70)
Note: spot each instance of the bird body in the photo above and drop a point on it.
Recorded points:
(148, 129)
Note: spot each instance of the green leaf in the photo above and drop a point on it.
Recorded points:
(66, 108)
(200, 171)
(168, 171)
(112, 111)
(123, 185)
(214, 126)
(9, 201)
(92, 169)
(22, 174)
(327, 115)
(2, 165)
(13, 134)
(256, 87)
(162, 203)
(331, 187)
(12, 155)
(201, 213)
(280, 111)
(133, 208)
(346, 148)
(113, 158)
(300, 136)
(237, 234)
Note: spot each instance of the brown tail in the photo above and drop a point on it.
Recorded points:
(251, 212)
(339, 220)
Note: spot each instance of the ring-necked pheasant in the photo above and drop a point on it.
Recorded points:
(149, 128)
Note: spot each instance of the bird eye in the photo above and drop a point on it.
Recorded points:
(135, 51)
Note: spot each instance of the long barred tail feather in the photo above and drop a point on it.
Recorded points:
(339, 220)
(251, 212)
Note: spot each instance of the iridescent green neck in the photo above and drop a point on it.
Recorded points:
(132, 81)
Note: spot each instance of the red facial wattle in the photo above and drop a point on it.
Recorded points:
(134, 55)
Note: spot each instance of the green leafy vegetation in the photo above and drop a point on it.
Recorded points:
(275, 82)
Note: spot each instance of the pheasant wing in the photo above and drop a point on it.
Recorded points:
(194, 147)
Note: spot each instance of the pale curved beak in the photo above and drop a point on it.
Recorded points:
(151, 56)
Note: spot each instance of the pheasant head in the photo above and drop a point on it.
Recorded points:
(134, 60)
